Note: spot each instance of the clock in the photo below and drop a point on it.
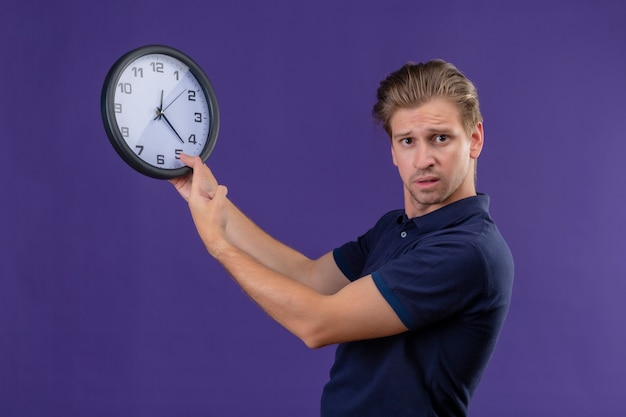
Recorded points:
(157, 103)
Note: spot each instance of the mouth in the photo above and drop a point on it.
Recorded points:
(426, 182)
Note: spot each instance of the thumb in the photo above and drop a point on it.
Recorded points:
(221, 192)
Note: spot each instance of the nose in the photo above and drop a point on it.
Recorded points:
(423, 158)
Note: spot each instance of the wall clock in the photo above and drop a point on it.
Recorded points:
(157, 103)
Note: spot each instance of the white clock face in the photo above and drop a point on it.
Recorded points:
(161, 110)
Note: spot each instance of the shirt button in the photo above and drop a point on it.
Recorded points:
(403, 235)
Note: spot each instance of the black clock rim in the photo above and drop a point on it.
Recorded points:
(107, 107)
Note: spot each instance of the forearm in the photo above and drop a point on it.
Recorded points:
(291, 288)
(321, 274)
(358, 311)
(294, 305)
(243, 233)
(200, 189)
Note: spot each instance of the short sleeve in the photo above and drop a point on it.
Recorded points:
(352, 257)
(431, 283)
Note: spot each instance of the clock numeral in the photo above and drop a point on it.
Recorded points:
(192, 139)
(197, 117)
(137, 72)
(176, 75)
(177, 153)
(160, 159)
(118, 107)
(125, 88)
(191, 95)
(140, 149)
(125, 131)
(157, 66)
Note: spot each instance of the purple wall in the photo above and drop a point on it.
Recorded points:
(109, 306)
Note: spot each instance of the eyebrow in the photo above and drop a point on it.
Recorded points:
(402, 135)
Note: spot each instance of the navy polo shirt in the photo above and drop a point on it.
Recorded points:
(448, 276)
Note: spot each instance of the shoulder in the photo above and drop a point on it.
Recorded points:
(473, 240)
(385, 224)
(391, 217)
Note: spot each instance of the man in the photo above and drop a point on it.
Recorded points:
(416, 304)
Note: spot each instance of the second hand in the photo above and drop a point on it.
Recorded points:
(171, 102)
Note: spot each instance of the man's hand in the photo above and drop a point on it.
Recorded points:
(206, 179)
(207, 203)
(210, 217)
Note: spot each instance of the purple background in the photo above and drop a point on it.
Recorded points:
(109, 305)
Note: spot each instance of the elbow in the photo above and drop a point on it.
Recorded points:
(314, 342)
(317, 336)
(317, 326)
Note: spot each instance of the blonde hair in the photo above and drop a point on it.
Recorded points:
(414, 84)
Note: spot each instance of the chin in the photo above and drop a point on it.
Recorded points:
(430, 198)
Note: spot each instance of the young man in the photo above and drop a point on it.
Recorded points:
(417, 302)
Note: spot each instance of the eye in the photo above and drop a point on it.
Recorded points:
(406, 141)
(440, 138)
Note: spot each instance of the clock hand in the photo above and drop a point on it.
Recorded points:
(159, 109)
(171, 102)
(161, 105)
(161, 114)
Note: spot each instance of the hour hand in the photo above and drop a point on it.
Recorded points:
(159, 109)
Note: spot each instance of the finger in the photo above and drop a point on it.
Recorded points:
(194, 162)
(177, 181)
(182, 185)
(187, 160)
(196, 176)
(203, 182)
(221, 192)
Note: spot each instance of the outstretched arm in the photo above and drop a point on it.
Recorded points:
(321, 274)
(357, 311)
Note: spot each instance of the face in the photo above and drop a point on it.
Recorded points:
(434, 154)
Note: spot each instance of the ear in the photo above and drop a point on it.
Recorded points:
(476, 140)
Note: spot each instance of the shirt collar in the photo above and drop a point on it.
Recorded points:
(450, 213)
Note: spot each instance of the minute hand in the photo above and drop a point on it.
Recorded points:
(171, 127)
